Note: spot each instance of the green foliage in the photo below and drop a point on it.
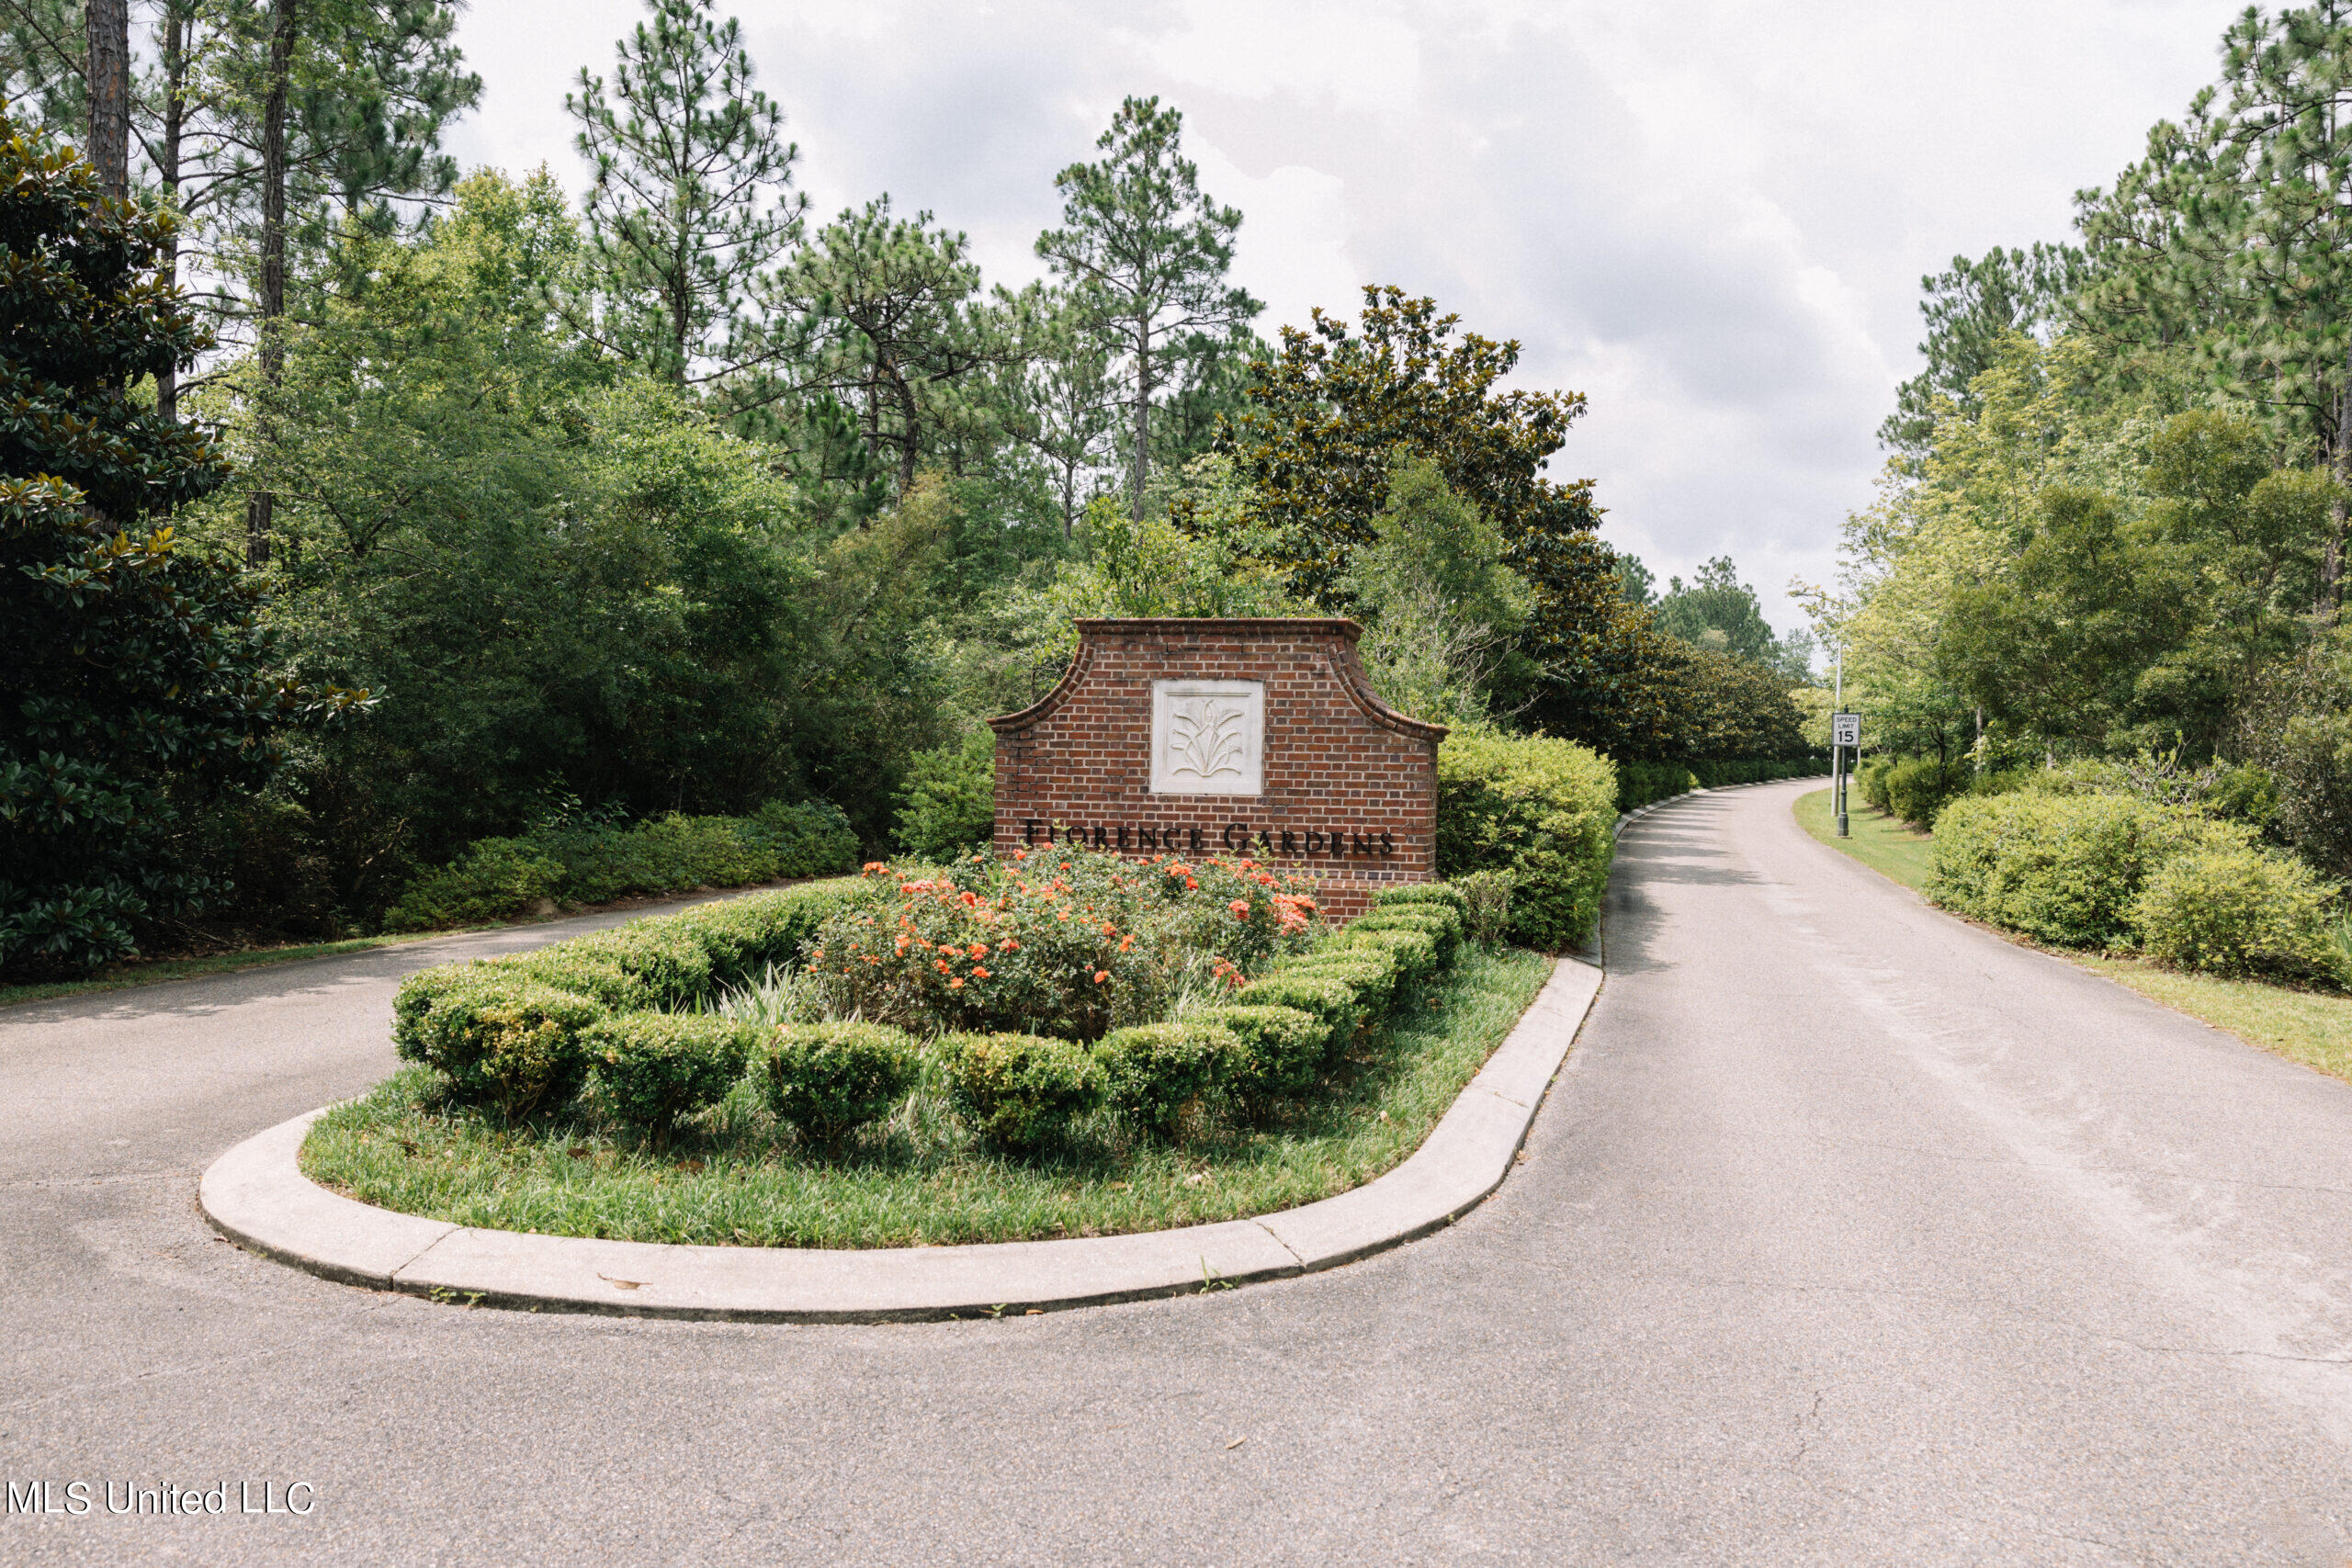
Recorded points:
(685, 214)
(1020, 1091)
(1720, 613)
(1145, 251)
(1324, 424)
(1640, 783)
(2235, 908)
(1374, 972)
(1442, 923)
(2062, 869)
(1068, 942)
(829, 1079)
(1541, 809)
(1413, 895)
(1331, 999)
(1160, 1077)
(948, 804)
(652, 1070)
(1970, 310)
(140, 688)
(1415, 951)
(589, 863)
(1440, 608)
(1279, 1050)
(1486, 905)
(504, 1042)
(1917, 788)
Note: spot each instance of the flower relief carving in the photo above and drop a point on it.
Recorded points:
(1208, 736)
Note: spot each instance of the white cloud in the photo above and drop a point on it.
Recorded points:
(1711, 217)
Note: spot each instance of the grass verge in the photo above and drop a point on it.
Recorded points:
(1891, 848)
(2310, 1027)
(919, 1179)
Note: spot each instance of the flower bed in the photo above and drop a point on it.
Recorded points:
(1175, 1021)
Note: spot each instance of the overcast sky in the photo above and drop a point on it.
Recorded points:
(1710, 218)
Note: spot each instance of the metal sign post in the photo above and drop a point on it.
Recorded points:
(1845, 732)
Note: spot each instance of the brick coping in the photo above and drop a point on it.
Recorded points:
(1091, 630)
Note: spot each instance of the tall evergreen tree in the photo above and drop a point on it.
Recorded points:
(1148, 253)
(691, 201)
(1968, 309)
(2233, 238)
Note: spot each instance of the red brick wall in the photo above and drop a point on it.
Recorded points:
(1337, 759)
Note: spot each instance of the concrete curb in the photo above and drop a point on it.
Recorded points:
(256, 1196)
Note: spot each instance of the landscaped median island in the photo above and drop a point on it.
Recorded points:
(1066, 1045)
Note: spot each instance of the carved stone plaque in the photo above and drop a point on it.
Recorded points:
(1208, 736)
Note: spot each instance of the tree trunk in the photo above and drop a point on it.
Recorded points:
(2331, 566)
(262, 504)
(106, 27)
(175, 63)
(909, 430)
(1139, 468)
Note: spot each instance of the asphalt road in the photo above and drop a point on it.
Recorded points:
(1850, 1234)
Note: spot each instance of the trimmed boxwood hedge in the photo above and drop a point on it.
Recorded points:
(617, 1016)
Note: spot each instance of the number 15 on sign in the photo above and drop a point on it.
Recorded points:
(1845, 729)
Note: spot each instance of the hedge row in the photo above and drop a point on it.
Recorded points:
(1639, 784)
(581, 862)
(1539, 809)
(2115, 871)
(600, 1021)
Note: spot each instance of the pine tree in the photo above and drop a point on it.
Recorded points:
(690, 203)
(1147, 253)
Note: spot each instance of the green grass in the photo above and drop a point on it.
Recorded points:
(155, 971)
(919, 1178)
(1892, 848)
(2310, 1027)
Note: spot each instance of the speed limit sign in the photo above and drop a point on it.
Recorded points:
(1845, 729)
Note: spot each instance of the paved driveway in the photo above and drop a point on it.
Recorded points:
(1851, 1234)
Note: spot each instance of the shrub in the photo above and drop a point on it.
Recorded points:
(1638, 782)
(1415, 954)
(1540, 808)
(1870, 779)
(582, 861)
(1413, 893)
(827, 1080)
(1331, 1001)
(1440, 922)
(746, 937)
(494, 880)
(1715, 775)
(1069, 941)
(1020, 1091)
(1375, 972)
(1917, 788)
(2235, 908)
(811, 837)
(2062, 869)
(1486, 905)
(503, 1042)
(651, 1070)
(1279, 1050)
(948, 804)
(662, 963)
(1157, 1076)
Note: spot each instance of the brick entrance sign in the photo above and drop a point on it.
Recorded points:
(1257, 738)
